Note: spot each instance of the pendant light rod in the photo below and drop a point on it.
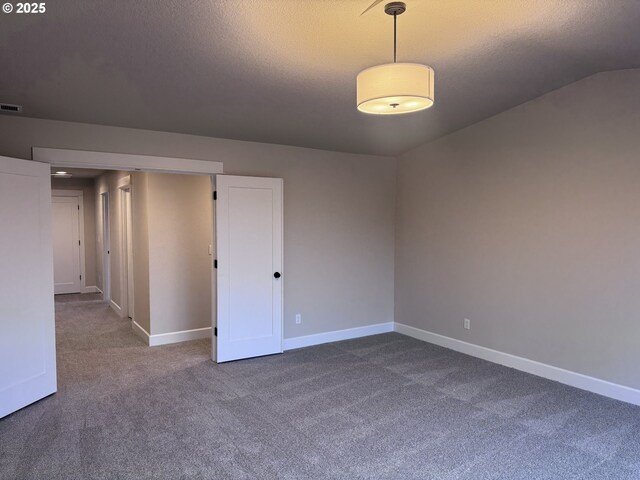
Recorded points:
(395, 9)
(395, 19)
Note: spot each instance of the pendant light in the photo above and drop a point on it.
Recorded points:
(394, 88)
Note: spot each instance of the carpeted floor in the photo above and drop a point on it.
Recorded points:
(384, 407)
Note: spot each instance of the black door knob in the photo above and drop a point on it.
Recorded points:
(277, 275)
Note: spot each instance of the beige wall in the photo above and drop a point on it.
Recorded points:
(88, 200)
(140, 225)
(180, 232)
(529, 225)
(338, 212)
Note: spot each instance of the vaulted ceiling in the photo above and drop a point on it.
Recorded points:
(283, 71)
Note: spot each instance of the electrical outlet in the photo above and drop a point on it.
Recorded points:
(467, 324)
(298, 319)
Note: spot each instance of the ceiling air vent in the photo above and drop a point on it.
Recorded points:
(7, 107)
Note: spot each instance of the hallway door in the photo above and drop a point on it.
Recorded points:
(27, 328)
(249, 254)
(66, 245)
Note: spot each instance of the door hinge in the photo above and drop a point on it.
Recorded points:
(215, 263)
(78, 242)
(80, 277)
(78, 207)
(215, 195)
(215, 331)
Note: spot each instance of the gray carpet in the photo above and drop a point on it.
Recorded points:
(384, 407)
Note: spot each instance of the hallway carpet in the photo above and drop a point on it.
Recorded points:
(386, 406)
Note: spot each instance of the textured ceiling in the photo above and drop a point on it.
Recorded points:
(283, 71)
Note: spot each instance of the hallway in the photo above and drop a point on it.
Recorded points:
(110, 395)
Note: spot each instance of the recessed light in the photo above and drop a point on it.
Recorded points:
(61, 174)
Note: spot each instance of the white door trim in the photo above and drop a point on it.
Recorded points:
(214, 275)
(80, 195)
(124, 186)
(105, 219)
(124, 161)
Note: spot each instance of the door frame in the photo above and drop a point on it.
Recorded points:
(80, 196)
(150, 163)
(124, 188)
(105, 219)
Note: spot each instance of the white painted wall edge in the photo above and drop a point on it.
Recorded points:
(123, 161)
(181, 336)
(116, 308)
(337, 335)
(567, 377)
(141, 332)
(91, 289)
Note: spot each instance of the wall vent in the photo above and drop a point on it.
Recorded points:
(7, 107)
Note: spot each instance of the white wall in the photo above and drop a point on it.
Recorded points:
(89, 209)
(528, 224)
(338, 212)
(180, 230)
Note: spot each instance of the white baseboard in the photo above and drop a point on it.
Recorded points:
(91, 289)
(116, 308)
(171, 337)
(337, 335)
(141, 332)
(578, 380)
(181, 336)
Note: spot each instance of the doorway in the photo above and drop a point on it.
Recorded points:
(245, 199)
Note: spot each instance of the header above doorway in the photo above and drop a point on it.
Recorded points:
(124, 161)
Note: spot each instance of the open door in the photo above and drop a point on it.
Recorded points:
(249, 256)
(27, 328)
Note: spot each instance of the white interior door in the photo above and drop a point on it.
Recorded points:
(249, 253)
(66, 245)
(27, 329)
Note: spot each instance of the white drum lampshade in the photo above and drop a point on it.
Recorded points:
(394, 88)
